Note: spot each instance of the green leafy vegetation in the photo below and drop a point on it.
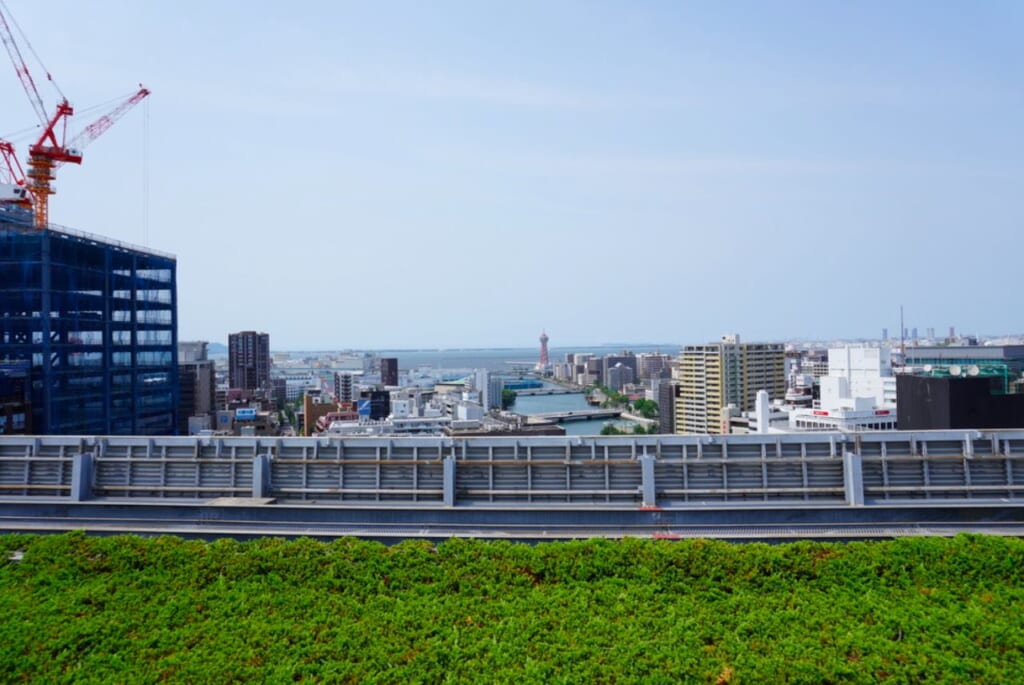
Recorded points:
(646, 408)
(611, 398)
(635, 429)
(508, 398)
(287, 415)
(135, 610)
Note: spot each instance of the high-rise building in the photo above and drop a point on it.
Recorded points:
(249, 360)
(652, 365)
(198, 381)
(96, 324)
(389, 371)
(666, 406)
(495, 386)
(618, 377)
(280, 385)
(343, 386)
(15, 399)
(625, 358)
(716, 375)
(192, 351)
(481, 383)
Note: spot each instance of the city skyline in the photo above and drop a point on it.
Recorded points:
(562, 348)
(461, 175)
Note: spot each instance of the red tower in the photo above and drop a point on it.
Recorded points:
(544, 362)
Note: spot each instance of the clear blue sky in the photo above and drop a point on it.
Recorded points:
(405, 174)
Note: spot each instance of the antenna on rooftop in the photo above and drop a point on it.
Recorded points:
(903, 338)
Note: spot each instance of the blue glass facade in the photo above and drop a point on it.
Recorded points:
(97, 322)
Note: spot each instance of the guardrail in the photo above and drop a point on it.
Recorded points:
(650, 471)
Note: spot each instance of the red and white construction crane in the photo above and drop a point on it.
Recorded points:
(51, 149)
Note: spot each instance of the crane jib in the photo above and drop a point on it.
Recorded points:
(51, 150)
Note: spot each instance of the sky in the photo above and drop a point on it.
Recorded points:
(465, 173)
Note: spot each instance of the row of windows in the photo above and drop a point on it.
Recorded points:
(810, 424)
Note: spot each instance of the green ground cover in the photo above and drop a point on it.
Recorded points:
(119, 610)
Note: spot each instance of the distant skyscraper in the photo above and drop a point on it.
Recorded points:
(389, 371)
(249, 360)
(913, 333)
(885, 334)
(544, 362)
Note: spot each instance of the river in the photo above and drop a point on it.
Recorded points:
(541, 404)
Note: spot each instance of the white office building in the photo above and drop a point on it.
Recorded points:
(858, 394)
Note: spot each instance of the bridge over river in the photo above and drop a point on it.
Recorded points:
(577, 415)
(546, 391)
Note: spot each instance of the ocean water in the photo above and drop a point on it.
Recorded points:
(504, 359)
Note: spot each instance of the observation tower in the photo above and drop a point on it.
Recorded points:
(544, 362)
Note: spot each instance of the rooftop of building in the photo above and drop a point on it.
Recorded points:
(19, 221)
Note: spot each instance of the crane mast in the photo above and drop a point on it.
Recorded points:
(43, 157)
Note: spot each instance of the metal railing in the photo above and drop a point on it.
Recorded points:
(651, 471)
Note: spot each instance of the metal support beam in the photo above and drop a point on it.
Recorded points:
(853, 478)
(261, 476)
(81, 477)
(647, 480)
(449, 481)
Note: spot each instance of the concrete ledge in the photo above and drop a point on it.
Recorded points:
(240, 501)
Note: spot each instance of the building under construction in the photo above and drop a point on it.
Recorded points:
(92, 323)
